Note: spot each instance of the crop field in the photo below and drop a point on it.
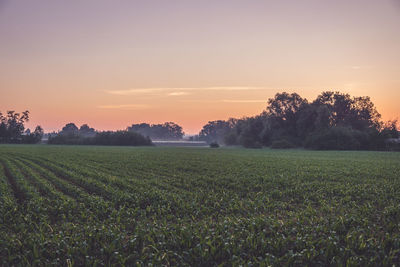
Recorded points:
(73, 206)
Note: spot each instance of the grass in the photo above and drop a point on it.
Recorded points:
(69, 205)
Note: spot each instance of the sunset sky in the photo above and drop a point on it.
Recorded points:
(114, 63)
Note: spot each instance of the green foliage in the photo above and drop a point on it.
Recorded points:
(249, 142)
(230, 139)
(33, 138)
(214, 145)
(283, 143)
(128, 206)
(12, 128)
(165, 131)
(333, 121)
(338, 138)
(215, 131)
(109, 138)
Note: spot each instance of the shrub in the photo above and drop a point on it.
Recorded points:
(230, 139)
(337, 138)
(119, 138)
(283, 143)
(109, 138)
(214, 145)
(65, 139)
(253, 145)
(249, 142)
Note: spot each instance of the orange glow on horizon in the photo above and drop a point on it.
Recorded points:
(191, 116)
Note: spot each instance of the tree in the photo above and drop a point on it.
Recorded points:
(107, 138)
(250, 134)
(70, 129)
(215, 131)
(12, 126)
(172, 131)
(33, 137)
(332, 121)
(364, 114)
(358, 112)
(86, 131)
(391, 129)
(142, 128)
(283, 113)
(118, 138)
(312, 118)
(165, 131)
(38, 133)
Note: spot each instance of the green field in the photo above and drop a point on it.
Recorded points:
(66, 205)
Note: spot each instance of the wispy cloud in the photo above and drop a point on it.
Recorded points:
(178, 93)
(134, 91)
(125, 107)
(244, 101)
(359, 67)
(232, 88)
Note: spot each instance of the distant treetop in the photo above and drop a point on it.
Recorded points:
(165, 131)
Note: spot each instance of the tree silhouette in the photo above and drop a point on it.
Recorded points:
(12, 128)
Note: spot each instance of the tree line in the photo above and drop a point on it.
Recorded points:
(136, 134)
(165, 131)
(12, 130)
(333, 121)
(85, 135)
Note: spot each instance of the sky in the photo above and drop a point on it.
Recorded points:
(114, 63)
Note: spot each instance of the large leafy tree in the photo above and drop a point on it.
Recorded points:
(70, 129)
(12, 126)
(333, 120)
(364, 114)
(215, 131)
(86, 131)
(172, 130)
(283, 111)
(356, 112)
